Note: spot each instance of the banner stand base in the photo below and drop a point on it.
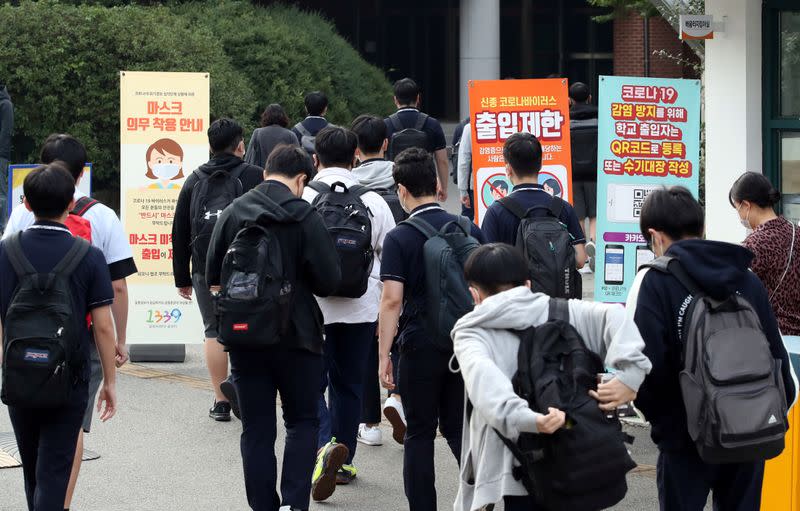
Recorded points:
(157, 352)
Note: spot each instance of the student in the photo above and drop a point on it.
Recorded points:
(458, 133)
(583, 136)
(523, 155)
(775, 243)
(47, 437)
(672, 222)
(432, 394)
(272, 133)
(316, 104)
(189, 246)
(409, 127)
(292, 366)
(486, 348)
(464, 171)
(349, 322)
(6, 132)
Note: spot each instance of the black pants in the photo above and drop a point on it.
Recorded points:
(526, 503)
(432, 395)
(684, 481)
(46, 439)
(371, 404)
(296, 374)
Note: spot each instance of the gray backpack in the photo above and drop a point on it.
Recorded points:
(307, 140)
(731, 384)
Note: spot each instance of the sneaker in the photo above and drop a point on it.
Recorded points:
(221, 411)
(393, 410)
(369, 435)
(346, 474)
(590, 253)
(229, 391)
(329, 460)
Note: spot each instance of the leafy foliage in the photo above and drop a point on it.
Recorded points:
(623, 7)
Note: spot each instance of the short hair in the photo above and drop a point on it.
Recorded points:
(49, 190)
(579, 92)
(336, 146)
(415, 170)
(406, 91)
(68, 150)
(224, 135)
(496, 267)
(274, 114)
(673, 211)
(756, 188)
(523, 152)
(500, 184)
(316, 102)
(371, 132)
(552, 183)
(289, 161)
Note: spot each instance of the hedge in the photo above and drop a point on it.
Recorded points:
(61, 64)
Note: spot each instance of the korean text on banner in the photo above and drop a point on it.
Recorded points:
(500, 108)
(648, 138)
(18, 173)
(163, 123)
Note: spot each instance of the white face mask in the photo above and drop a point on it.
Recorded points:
(403, 204)
(746, 220)
(166, 170)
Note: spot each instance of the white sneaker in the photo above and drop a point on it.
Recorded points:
(369, 435)
(393, 410)
(590, 253)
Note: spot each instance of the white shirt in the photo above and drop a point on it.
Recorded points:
(364, 309)
(107, 232)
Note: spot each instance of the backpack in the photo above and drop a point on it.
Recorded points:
(404, 138)
(210, 196)
(446, 291)
(41, 336)
(583, 137)
(389, 195)
(582, 465)
(732, 386)
(547, 246)
(77, 225)
(348, 221)
(254, 302)
(307, 140)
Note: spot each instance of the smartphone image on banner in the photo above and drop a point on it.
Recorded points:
(643, 256)
(614, 265)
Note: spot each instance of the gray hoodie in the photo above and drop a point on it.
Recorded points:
(375, 173)
(487, 354)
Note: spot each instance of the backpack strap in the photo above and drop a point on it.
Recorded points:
(16, 255)
(513, 206)
(319, 186)
(396, 124)
(558, 310)
(358, 190)
(421, 119)
(672, 266)
(83, 205)
(422, 226)
(556, 207)
(302, 129)
(73, 258)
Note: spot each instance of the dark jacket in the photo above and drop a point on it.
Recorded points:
(6, 123)
(582, 111)
(250, 177)
(720, 269)
(264, 140)
(307, 252)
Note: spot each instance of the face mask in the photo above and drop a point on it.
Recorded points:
(746, 220)
(166, 170)
(403, 204)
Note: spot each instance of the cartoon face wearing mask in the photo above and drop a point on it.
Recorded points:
(165, 160)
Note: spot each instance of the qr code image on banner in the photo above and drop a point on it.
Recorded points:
(639, 195)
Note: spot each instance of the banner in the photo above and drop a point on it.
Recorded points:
(18, 173)
(163, 123)
(648, 138)
(500, 108)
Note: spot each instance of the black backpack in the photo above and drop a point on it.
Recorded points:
(583, 137)
(389, 195)
(731, 385)
(254, 302)
(348, 221)
(447, 296)
(403, 138)
(547, 246)
(41, 335)
(210, 196)
(582, 465)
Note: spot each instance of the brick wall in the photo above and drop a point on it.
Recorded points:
(629, 55)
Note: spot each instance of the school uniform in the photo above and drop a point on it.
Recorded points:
(432, 394)
(47, 438)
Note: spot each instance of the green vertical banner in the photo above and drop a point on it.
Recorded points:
(648, 138)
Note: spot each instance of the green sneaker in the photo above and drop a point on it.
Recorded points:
(329, 460)
(346, 474)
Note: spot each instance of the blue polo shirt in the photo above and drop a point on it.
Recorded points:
(500, 225)
(313, 123)
(45, 244)
(408, 118)
(402, 261)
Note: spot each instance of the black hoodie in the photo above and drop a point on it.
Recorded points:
(307, 253)
(582, 111)
(6, 123)
(720, 269)
(250, 177)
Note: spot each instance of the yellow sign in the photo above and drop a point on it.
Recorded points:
(18, 173)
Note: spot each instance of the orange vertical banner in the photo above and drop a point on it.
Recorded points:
(500, 108)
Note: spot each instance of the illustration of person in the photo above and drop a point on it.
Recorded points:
(164, 160)
(552, 187)
(499, 189)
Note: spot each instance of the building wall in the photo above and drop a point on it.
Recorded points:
(629, 53)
